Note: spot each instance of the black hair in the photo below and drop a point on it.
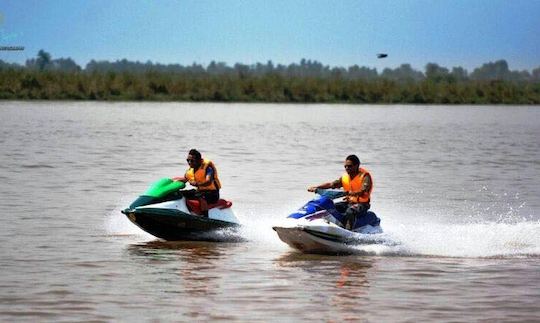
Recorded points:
(354, 159)
(195, 153)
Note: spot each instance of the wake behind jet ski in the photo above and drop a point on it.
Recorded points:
(164, 212)
(317, 227)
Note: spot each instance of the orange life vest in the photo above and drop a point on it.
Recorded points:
(355, 185)
(199, 176)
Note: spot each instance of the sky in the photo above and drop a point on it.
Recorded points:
(343, 33)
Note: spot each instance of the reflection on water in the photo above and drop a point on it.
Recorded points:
(348, 285)
(351, 290)
(172, 250)
(350, 272)
(196, 276)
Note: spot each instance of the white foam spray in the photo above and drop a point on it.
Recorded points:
(401, 237)
(117, 224)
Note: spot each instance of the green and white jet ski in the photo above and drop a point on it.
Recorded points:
(164, 212)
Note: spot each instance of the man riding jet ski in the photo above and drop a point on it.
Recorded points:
(167, 211)
(321, 226)
(202, 174)
(358, 184)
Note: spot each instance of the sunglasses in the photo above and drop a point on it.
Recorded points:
(348, 166)
(190, 160)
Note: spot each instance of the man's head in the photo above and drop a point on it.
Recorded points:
(352, 163)
(194, 158)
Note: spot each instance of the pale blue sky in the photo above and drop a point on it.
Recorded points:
(336, 33)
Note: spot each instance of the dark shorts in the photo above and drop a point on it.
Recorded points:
(209, 196)
(358, 208)
(351, 212)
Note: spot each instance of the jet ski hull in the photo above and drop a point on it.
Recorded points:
(175, 225)
(304, 241)
(313, 240)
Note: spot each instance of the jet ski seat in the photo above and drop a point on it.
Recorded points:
(195, 207)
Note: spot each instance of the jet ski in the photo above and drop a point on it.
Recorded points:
(317, 227)
(164, 211)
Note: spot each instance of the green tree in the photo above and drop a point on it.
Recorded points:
(43, 59)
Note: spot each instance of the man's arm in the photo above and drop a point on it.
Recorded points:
(366, 184)
(334, 184)
(185, 180)
(180, 178)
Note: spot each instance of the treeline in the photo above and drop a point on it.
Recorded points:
(308, 81)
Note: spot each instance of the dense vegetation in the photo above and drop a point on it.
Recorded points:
(308, 81)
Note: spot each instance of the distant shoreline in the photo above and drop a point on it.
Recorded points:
(266, 102)
(44, 78)
(165, 87)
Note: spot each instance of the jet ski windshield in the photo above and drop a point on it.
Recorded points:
(331, 194)
(321, 206)
(161, 190)
(163, 187)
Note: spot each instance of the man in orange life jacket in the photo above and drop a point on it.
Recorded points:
(202, 174)
(358, 184)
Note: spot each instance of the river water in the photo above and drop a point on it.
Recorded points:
(457, 188)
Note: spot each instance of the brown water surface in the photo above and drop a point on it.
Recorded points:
(456, 188)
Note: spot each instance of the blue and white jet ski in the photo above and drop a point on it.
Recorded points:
(317, 227)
